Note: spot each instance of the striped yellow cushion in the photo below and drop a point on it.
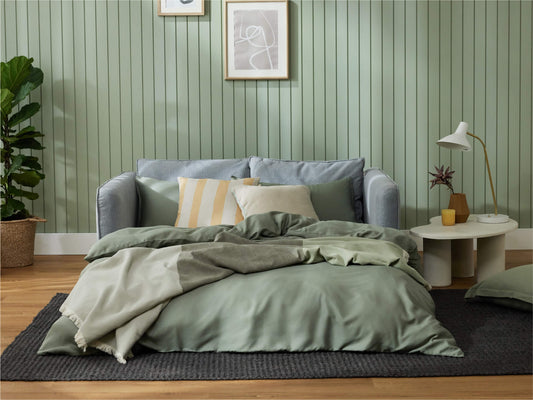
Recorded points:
(205, 202)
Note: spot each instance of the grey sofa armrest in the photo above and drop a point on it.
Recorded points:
(116, 204)
(381, 199)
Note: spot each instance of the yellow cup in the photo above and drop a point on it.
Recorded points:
(448, 217)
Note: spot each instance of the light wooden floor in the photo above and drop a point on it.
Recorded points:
(25, 291)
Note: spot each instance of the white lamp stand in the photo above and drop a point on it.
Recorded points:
(492, 218)
(459, 141)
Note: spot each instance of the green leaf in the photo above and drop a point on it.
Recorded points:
(27, 144)
(28, 111)
(31, 162)
(34, 80)
(15, 72)
(28, 178)
(29, 128)
(6, 97)
(23, 193)
(23, 135)
(12, 206)
(16, 163)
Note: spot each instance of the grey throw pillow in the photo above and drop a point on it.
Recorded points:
(271, 170)
(158, 201)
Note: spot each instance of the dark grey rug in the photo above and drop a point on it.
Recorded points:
(496, 341)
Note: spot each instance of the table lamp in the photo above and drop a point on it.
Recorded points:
(459, 141)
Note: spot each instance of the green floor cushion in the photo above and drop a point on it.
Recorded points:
(510, 288)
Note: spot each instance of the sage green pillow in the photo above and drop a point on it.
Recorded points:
(158, 201)
(331, 200)
(511, 288)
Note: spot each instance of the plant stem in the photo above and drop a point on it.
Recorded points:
(7, 158)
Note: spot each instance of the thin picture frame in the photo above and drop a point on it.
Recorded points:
(180, 7)
(256, 39)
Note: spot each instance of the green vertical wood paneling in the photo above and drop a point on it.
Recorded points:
(97, 100)
(376, 84)
(35, 51)
(480, 90)
(525, 214)
(319, 80)
(446, 125)
(491, 100)
(71, 135)
(388, 112)
(137, 87)
(353, 79)
(125, 66)
(80, 117)
(365, 80)
(331, 96)
(379, 79)
(341, 101)
(457, 84)
(502, 124)
(204, 101)
(147, 80)
(399, 174)
(295, 72)
(47, 106)
(513, 186)
(422, 100)
(411, 134)
(273, 121)
(194, 86)
(176, 88)
(306, 80)
(240, 119)
(468, 92)
(433, 96)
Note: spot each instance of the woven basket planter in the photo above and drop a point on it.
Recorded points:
(18, 242)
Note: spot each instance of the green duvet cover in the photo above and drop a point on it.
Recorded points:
(275, 282)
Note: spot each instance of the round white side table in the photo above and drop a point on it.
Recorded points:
(449, 250)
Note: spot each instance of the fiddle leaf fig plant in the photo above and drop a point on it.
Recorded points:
(18, 79)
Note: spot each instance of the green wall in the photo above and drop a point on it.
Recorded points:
(377, 79)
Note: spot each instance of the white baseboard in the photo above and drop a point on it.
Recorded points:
(80, 243)
(64, 243)
(521, 239)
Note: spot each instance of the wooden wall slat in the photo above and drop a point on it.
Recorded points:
(525, 214)
(378, 79)
(422, 120)
(400, 174)
(411, 143)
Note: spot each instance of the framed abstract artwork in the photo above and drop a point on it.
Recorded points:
(180, 7)
(256, 39)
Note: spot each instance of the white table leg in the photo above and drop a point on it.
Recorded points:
(490, 256)
(462, 258)
(437, 262)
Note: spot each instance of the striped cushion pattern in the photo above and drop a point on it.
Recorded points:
(205, 202)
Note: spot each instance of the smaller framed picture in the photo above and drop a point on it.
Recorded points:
(256, 39)
(180, 7)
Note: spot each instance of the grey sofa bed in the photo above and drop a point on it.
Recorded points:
(375, 195)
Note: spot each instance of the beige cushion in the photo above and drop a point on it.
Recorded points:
(294, 199)
(205, 202)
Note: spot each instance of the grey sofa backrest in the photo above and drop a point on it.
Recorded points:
(376, 195)
(169, 170)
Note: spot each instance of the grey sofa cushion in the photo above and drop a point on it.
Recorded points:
(169, 170)
(312, 172)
